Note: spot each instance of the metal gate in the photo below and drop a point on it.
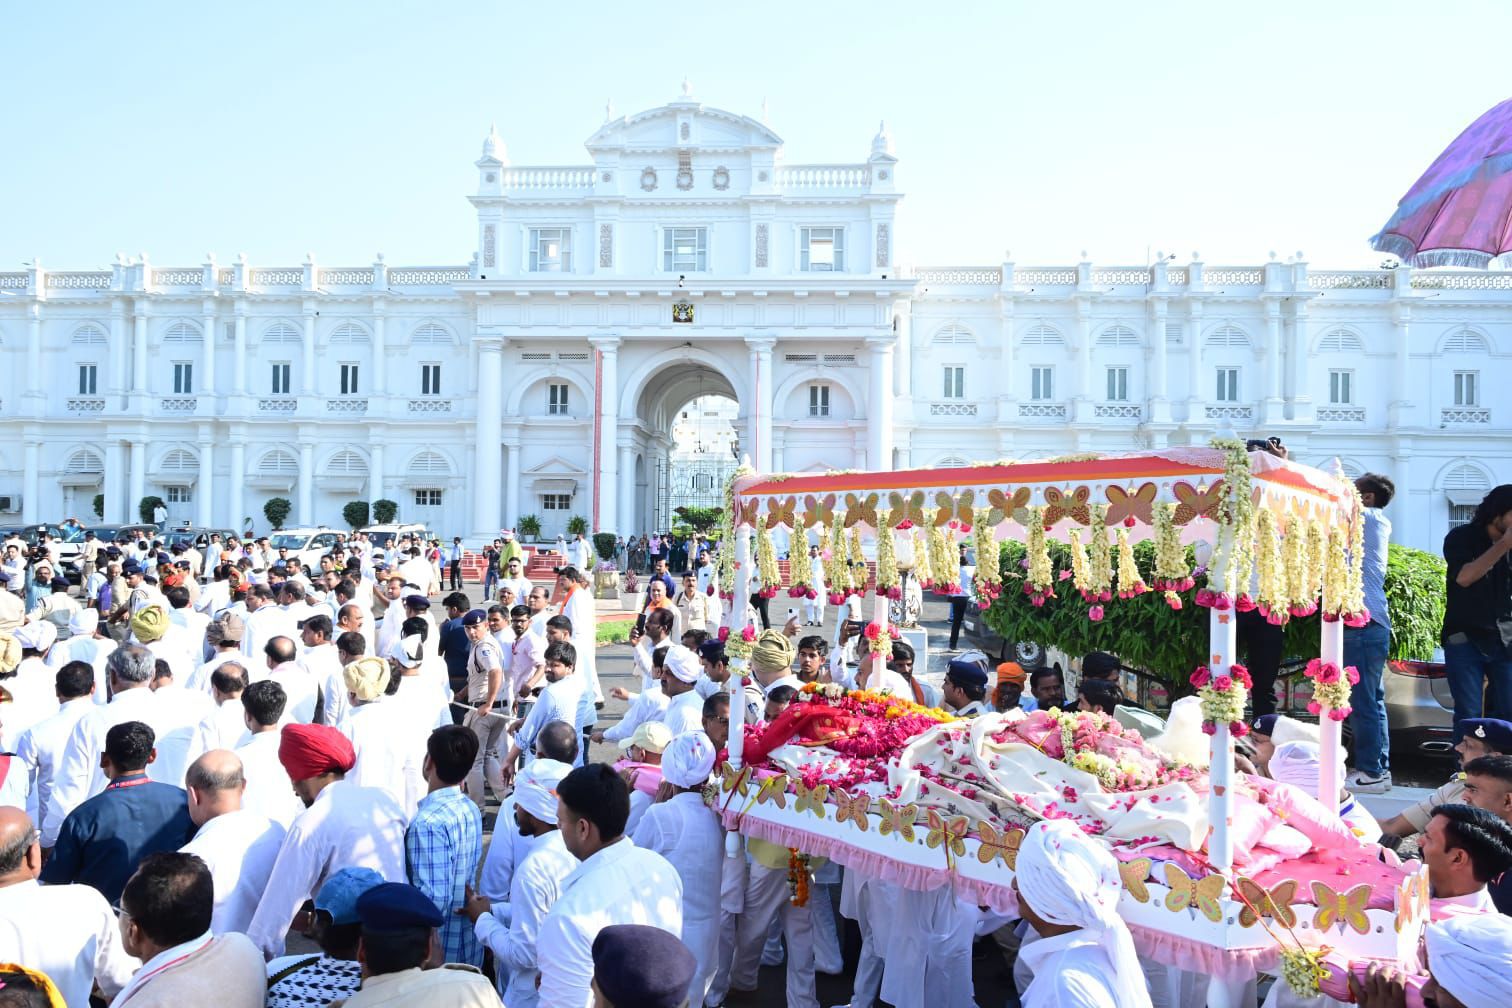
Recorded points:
(688, 483)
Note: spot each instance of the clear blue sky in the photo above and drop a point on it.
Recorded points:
(348, 128)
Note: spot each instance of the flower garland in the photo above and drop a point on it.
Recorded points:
(1223, 698)
(1272, 590)
(798, 877)
(1130, 583)
(944, 562)
(924, 563)
(839, 564)
(1303, 970)
(768, 575)
(858, 578)
(1331, 688)
(1302, 598)
(989, 575)
(738, 646)
(1100, 556)
(798, 566)
(1354, 611)
(1317, 558)
(887, 558)
(1039, 583)
(880, 643)
(1234, 557)
(1172, 576)
(1335, 575)
(1079, 565)
(726, 532)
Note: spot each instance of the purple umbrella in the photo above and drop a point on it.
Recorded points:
(1460, 212)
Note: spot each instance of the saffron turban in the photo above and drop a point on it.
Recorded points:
(1010, 672)
(772, 653)
(1471, 957)
(1072, 881)
(38, 635)
(682, 663)
(366, 678)
(311, 750)
(688, 760)
(149, 624)
(535, 788)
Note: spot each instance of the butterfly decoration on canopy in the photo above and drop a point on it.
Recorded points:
(853, 809)
(1133, 874)
(1412, 899)
(944, 509)
(1059, 505)
(860, 509)
(1009, 504)
(736, 783)
(1260, 902)
(774, 790)
(899, 819)
(1138, 505)
(1193, 503)
(1342, 908)
(810, 799)
(1189, 892)
(948, 832)
(1003, 846)
(746, 512)
(820, 510)
(780, 512)
(906, 508)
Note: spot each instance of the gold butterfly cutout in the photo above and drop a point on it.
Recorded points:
(1009, 504)
(899, 819)
(906, 508)
(737, 783)
(1188, 892)
(852, 808)
(1193, 503)
(945, 509)
(781, 513)
(746, 512)
(1344, 908)
(951, 833)
(1073, 505)
(1133, 874)
(819, 510)
(810, 799)
(1003, 846)
(860, 509)
(773, 789)
(1138, 505)
(964, 510)
(1275, 903)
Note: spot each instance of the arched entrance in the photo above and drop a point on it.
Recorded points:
(690, 418)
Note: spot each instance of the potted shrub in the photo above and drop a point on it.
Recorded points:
(606, 580)
(276, 510)
(355, 513)
(529, 528)
(385, 511)
(630, 592)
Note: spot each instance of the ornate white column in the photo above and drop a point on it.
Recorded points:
(779, 443)
(31, 482)
(903, 374)
(606, 429)
(375, 467)
(1274, 403)
(307, 368)
(240, 373)
(879, 411)
(1195, 394)
(306, 480)
(36, 382)
(119, 362)
(236, 506)
(139, 349)
(511, 482)
(380, 352)
(207, 348)
(490, 344)
(759, 401)
(626, 489)
(1160, 402)
(137, 477)
(1400, 408)
(113, 489)
(1083, 405)
(204, 492)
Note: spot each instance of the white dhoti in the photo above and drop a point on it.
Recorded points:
(766, 896)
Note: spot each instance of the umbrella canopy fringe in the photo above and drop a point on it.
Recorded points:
(1394, 244)
(1451, 257)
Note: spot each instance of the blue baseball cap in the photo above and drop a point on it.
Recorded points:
(338, 897)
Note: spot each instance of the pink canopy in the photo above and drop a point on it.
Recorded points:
(1460, 212)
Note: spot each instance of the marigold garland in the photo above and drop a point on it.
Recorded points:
(798, 877)
(768, 575)
(989, 576)
(1039, 583)
(1130, 583)
(1223, 697)
(1331, 688)
(887, 557)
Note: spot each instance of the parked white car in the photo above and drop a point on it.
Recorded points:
(307, 545)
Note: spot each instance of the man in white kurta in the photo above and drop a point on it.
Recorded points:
(680, 672)
(389, 748)
(813, 608)
(41, 745)
(559, 701)
(269, 789)
(687, 833)
(578, 606)
(616, 882)
(239, 845)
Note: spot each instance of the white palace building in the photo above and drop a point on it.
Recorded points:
(688, 257)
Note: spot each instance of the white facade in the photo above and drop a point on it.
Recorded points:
(546, 377)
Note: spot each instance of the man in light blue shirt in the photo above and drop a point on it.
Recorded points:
(1366, 647)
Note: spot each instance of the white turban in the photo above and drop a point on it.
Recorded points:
(39, 635)
(688, 760)
(683, 663)
(83, 623)
(1298, 763)
(406, 650)
(1073, 881)
(1183, 740)
(1471, 957)
(1289, 729)
(535, 788)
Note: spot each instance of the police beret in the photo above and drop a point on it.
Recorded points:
(416, 602)
(1493, 732)
(131, 567)
(397, 906)
(474, 617)
(635, 964)
(59, 584)
(966, 673)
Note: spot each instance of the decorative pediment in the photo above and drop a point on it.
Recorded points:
(682, 124)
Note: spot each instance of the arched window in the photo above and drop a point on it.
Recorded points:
(429, 463)
(1042, 335)
(281, 332)
(179, 461)
(1341, 341)
(431, 334)
(89, 335)
(954, 334)
(182, 332)
(1466, 341)
(279, 463)
(1228, 336)
(1464, 485)
(349, 334)
(1118, 335)
(951, 462)
(347, 463)
(1466, 477)
(85, 462)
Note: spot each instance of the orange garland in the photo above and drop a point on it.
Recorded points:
(798, 877)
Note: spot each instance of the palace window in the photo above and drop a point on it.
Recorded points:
(280, 383)
(1228, 385)
(1467, 388)
(551, 250)
(955, 381)
(430, 379)
(183, 378)
(348, 379)
(819, 400)
(1340, 387)
(823, 249)
(427, 498)
(1118, 384)
(179, 495)
(1461, 514)
(556, 502)
(685, 249)
(556, 400)
(1042, 383)
(88, 373)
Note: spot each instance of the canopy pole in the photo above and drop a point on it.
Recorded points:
(1223, 640)
(1330, 732)
(739, 607)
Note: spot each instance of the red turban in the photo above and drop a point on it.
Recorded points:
(311, 750)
